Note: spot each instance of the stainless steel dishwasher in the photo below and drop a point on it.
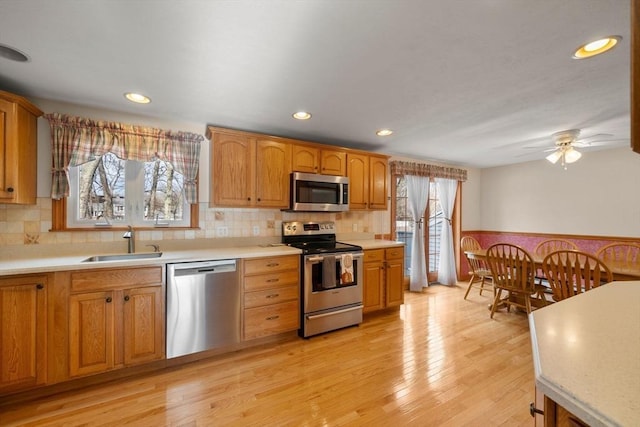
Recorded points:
(203, 306)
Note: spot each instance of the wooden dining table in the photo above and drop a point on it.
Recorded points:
(620, 271)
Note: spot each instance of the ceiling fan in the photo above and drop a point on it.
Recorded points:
(567, 142)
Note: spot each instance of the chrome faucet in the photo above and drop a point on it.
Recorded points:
(132, 241)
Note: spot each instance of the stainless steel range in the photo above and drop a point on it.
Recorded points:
(332, 276)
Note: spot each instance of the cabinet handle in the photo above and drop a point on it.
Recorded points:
(272, 317)
(533, 410)
(126, 298)
(109, 299)
(272, 280)
(273, 296)
(273, 264)
(39, 286)
(10, 190)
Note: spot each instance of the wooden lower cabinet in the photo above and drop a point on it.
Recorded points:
(271, 303)
(116, 320)
(23, 331)
(383, 278)
(557, 416)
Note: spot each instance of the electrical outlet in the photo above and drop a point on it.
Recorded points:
(256, 230)
(222, 231)
(354, 227)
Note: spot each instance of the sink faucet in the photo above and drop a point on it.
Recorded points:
(132, 241)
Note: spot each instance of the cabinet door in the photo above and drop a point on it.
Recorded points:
(377, 182)
(333, 162)
(143, 325)
(7, 152)
(23, 306)
(91, 330)
(233, 171)
(372, 295)
(272, 168)
(394, 279)
(358, 173)
(305, 159)
(18, 149)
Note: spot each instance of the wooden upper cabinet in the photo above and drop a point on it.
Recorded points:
(233, 173)
(358, 173)
(367, 181)
(249, 170)
(272, 173)
(310, 159)
(18, 149)
(305, 158)
(378, 171)
(23, 331)
(333, 162)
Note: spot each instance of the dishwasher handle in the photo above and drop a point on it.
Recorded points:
(203, 267)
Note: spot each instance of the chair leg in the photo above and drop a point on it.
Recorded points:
(481, 285)
(471, 282)
(495, 302)
(527, 303)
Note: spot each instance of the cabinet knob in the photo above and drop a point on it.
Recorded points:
(109, 299)
(10, 190)
(248, 199)
(126, 298)
(39, 286)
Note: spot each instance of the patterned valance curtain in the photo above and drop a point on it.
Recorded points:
(76, 140)
(423, 169)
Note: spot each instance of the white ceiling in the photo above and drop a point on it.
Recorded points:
(469, 83)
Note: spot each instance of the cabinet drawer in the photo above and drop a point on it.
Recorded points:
(271, 319)
(270, 281)
(115, 278)
(271, 264)
(374, 255)
(271, 296)
(394, 253)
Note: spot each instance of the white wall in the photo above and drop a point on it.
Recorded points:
(598, 195)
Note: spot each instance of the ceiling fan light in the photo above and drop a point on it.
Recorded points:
(555, 156)
(572, 155)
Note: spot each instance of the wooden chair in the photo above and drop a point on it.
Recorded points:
(573, 272)
(623, 254)
(545, 247)
(480, 274)
(513, 271)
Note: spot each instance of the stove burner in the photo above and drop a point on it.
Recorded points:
(314, 238)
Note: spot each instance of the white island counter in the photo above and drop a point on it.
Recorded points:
(586, 354)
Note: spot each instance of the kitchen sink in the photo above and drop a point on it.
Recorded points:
(122, 257)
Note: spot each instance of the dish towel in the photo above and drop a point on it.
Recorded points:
(329, 272)
(346, 267)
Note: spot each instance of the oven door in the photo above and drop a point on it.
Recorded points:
(345, 288)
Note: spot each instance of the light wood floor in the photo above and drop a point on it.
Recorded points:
(438, 361)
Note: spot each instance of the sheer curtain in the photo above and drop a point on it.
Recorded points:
(417, 198)
(447, 265)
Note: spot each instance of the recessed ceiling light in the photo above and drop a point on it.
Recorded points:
(13, 54)
(596, 47)
(137, 98)
(302, 115)
(384, 132)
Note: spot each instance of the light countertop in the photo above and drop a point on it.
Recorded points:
(53, 262)
(586, 354)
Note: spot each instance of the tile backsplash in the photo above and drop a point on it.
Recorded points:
(23, 226)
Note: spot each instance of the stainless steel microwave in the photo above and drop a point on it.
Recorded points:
(319, 193)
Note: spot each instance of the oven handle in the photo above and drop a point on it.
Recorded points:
(331, 313)
(316, 259)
